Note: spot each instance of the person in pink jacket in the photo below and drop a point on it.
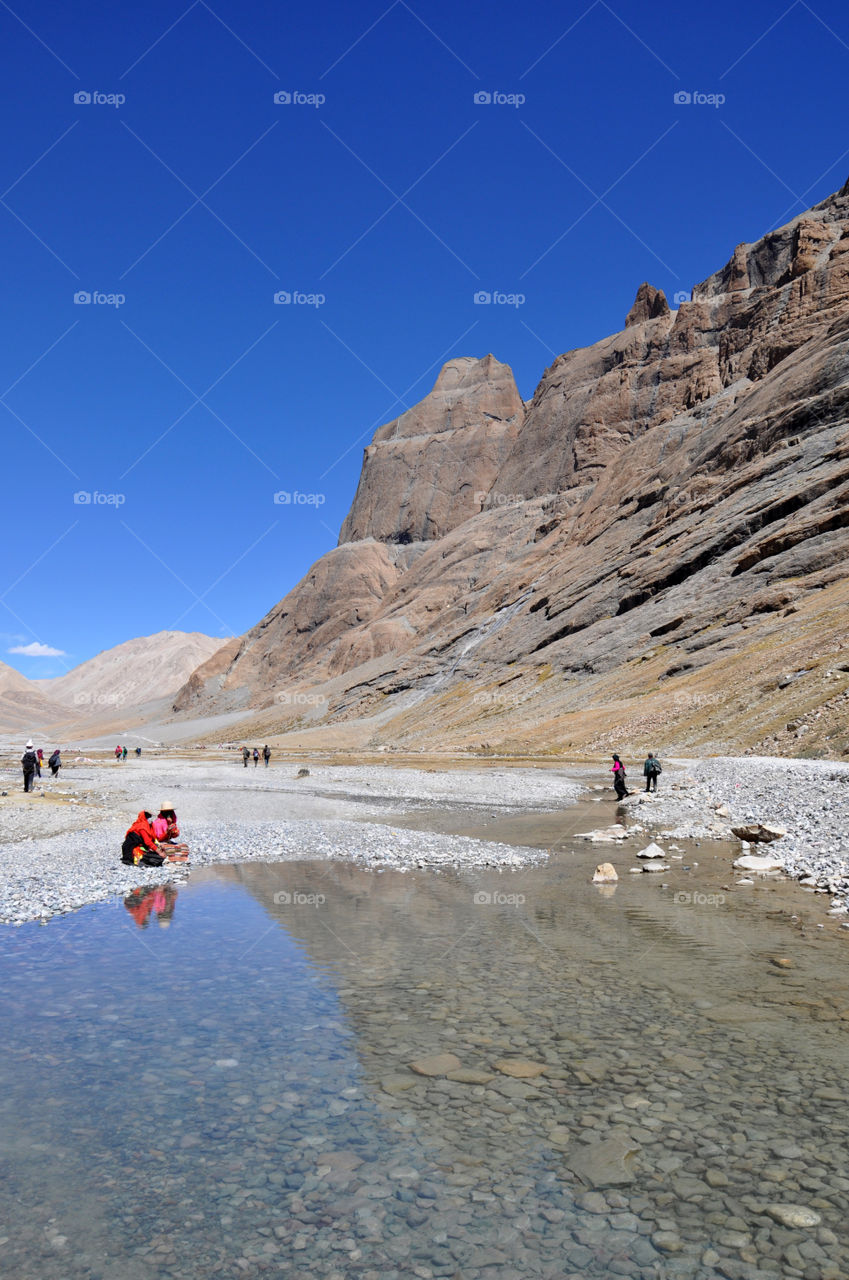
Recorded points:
(166, 830)
(619, 784)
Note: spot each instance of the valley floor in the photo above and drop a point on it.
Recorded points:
(61, 845)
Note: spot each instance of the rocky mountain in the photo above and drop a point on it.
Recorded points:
(653, 551)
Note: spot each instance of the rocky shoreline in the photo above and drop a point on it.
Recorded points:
(232, 818)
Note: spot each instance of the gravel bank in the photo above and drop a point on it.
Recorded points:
(46, 877)
(810, 798)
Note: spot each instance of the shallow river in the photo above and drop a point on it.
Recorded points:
(216, 1081)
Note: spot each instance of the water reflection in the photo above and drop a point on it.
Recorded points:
(621, 1085)
(152, 901)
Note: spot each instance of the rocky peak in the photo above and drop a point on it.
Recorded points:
(432, 468)
(648, 305)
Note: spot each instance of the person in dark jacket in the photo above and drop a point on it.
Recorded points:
(651, 771)
(246, 755)
(29, 760)
(619, 784)
(266, 754)
(55, 762)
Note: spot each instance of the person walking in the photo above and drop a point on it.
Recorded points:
(28, 762)
(246, 755)
(619, 784)
(256, 757)
(39, 758)
(117, 754)
(266, 754)
(138, 753)
(652, 770)
(55, 762)
(123, 753)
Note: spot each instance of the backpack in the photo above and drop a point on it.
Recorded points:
(29, 760)
(656, 767)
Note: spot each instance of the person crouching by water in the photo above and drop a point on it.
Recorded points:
(141, 848)
(619, 784)
(166, 830)
(651, 771)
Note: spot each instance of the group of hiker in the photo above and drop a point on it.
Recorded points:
(32, 760)
(247, 754)
(652, 770)
(121, 753)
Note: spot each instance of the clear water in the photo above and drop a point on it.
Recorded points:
(230, 1095)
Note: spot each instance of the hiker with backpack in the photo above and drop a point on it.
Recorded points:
(619, 784)
(266, 754)
(29, 760)
(55, 763)
(246, 755)
(652, 770)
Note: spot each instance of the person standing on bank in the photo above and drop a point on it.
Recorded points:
(619, 784)
(28, 762)
(652, 770)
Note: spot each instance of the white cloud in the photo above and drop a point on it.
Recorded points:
(36, 650)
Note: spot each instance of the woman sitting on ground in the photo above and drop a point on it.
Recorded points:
(141, 848)
(167, 832)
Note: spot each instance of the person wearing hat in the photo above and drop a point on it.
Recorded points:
(29, 760)
(141, 847)
(166, 830)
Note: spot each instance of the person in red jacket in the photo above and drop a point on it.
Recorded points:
(141, 846)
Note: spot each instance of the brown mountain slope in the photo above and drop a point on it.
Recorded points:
(666, 523)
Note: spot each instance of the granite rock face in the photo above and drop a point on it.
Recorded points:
(620, 556)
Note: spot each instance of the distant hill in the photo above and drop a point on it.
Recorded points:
(130, 675)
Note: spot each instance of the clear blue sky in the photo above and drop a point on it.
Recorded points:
(397, 198)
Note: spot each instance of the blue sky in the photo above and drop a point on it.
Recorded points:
(380, 198)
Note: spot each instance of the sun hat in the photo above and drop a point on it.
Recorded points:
(29, 744)
(167, 806)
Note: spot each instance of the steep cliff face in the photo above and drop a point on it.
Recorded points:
(642, 530)
(426, 472)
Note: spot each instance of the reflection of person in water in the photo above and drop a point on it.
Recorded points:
(157, 900)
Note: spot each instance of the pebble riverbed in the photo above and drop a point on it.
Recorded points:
(331, 1063)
